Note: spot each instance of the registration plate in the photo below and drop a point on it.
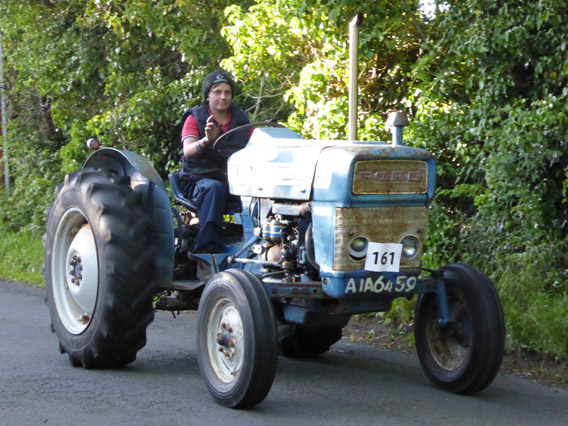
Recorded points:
(381, 284)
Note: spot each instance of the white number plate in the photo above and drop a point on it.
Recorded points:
(383, 257)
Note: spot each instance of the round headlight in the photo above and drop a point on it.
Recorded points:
(410, 246)
(358, 248)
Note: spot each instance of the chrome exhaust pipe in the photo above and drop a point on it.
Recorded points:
(396, 120)
(353, 74)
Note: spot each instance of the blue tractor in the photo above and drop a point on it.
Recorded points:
(318, 231)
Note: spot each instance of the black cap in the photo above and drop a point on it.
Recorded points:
(214, 78)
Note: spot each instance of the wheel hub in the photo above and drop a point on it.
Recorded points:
(81, 272)
(75, 272)
(226, 341)
(450, 344)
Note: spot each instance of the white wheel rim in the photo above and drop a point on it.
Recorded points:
(74, 269)
(225, 340)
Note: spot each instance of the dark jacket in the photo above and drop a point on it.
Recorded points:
(213, 164)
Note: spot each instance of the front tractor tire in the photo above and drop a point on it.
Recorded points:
(464, 356)
(96, 269)
(236, 339)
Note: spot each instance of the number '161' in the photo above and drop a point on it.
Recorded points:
(385, 258)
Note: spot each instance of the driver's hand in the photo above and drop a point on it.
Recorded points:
(211, 131)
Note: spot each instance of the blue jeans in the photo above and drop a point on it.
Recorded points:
(210, 196)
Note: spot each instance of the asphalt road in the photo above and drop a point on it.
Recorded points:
(351, 385)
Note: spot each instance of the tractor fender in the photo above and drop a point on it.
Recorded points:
(146, 181)
(124, 163)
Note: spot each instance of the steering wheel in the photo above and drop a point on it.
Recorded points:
(218, 144)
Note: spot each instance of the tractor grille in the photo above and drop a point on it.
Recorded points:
(378, 225)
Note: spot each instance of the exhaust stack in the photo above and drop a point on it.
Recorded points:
(396, 120)
(353, 74)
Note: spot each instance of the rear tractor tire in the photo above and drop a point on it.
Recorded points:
(97, 264)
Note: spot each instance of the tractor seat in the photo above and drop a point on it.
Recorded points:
(178, 193)
(233, 204)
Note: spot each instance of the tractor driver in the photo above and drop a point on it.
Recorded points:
(203, 177)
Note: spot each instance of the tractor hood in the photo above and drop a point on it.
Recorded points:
(276, 163)
(279, 163)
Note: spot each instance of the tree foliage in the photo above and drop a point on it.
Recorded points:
(484, 82)
(493, 103)
(299, 54)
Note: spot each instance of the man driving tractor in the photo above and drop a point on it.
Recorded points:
(204, 174)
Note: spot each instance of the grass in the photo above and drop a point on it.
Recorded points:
(21, 257)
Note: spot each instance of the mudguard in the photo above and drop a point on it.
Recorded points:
(145, 180)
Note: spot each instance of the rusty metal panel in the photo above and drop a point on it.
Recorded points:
(390, 177)
(379, 225)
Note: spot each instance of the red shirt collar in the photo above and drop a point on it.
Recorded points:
(223, 127)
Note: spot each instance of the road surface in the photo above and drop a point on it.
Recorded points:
(353, 384)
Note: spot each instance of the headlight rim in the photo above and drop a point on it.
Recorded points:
(415, 246)
(359, 254)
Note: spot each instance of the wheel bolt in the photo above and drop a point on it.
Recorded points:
(84, 319)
